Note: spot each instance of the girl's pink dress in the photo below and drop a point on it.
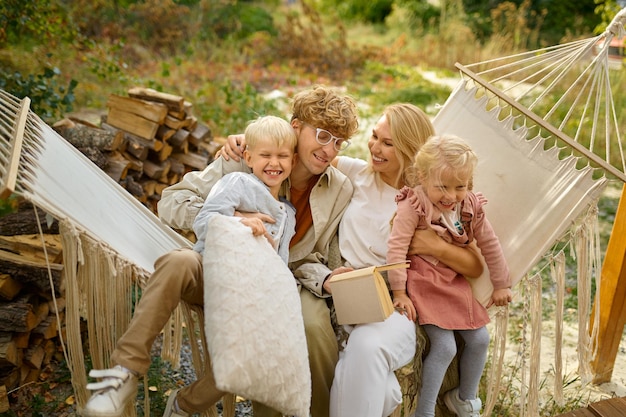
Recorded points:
(442, 296)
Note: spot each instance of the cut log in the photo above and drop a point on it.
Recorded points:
(202, 133)
(24, 221)
(83, 136)
(137, 150)
(134, 188)
(21, 339)
(33, 356)
(9, 287)
(186, 112)
(32, 272)
(177, 167)
(132, 123)
(96, 156)
(174, 123)
(9, 356)
(134, 164)
(32, 246)
(129, 137)
(164, 133)
(194, 161)
(150, 110)
(154, 170)
(163, 154)
(4, 399)
(173, 102)
(210, 148)
(180, 137)
(117, 166)
(18, 315)
(48, 328)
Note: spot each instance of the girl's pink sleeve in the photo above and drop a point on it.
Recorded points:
(402, 232)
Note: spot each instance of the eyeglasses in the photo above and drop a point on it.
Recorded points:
(324, 137)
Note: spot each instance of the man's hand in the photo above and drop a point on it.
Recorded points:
(233, 148)
(336, 271)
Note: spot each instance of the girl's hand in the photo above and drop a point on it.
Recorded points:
(481, 198)
(404, 305)
(501, 297)
(233, 148)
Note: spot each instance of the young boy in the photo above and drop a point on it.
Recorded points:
(270, 154)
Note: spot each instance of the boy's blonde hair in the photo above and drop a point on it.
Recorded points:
(443, 154)
(270, 128)
(326, 108)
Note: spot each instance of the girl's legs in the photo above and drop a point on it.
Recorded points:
(365, 384)
(434, 367)
(472, 361)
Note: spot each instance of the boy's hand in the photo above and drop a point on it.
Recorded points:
(258, 228)
(502, 297)
(266, 218)
(404, 305)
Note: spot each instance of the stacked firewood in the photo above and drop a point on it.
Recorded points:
(31, 297)
(147, 141)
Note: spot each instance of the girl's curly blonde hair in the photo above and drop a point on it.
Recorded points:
(443, 154)
(326, 108)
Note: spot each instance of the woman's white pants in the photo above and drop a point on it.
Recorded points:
(365, 384)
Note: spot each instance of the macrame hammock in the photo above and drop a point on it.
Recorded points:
(541, 182)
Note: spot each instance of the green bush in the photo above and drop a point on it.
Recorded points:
(49, 100)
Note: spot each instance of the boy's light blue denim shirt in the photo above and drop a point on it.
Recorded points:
(245, 192)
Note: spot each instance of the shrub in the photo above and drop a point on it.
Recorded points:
(48, 99)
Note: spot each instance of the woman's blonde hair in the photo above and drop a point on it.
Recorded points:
(326, 108)
(443, 155)
(272, 128)
(410, 128)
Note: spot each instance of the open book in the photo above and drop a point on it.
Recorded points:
(362, 296)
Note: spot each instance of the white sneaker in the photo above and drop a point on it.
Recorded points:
(462, 408)
(171, 407)
(116, 386)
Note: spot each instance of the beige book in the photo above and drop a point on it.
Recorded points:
(362, 296)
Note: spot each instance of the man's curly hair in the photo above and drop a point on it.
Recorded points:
(326, 108)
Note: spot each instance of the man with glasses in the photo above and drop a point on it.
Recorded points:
(323, 120)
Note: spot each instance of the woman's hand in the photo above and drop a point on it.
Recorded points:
(233, 148)
(335, 271)
(404, 305)
(464, 260)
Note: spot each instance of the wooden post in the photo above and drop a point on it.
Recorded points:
(612, 298)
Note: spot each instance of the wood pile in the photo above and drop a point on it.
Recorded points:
(146, 142)
(29, 331)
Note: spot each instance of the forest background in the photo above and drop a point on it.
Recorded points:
(227, 57)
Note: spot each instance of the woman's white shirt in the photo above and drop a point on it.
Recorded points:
(365, 225)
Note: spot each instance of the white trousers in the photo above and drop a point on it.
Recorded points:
(365, 384)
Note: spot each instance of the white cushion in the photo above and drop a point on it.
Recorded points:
(254, 326)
